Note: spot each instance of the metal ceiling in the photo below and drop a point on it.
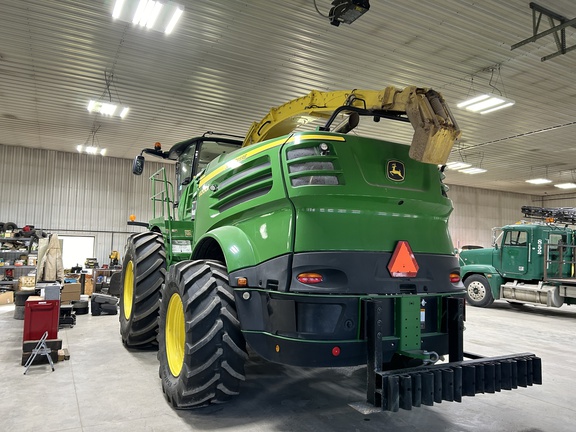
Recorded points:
(227, 62)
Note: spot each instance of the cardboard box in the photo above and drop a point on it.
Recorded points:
(6, 298)
(69, 292)
(26, 282)
(88, 286)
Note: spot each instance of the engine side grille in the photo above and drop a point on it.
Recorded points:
(309, 166)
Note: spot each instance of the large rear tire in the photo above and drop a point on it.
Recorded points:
(478, 291)
(201, 348)
(143, 273)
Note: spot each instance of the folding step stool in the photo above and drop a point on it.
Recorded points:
(41, 349)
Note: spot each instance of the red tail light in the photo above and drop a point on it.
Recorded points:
(454, 277)
(310, 278)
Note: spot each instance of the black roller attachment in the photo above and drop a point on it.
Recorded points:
(425, 385)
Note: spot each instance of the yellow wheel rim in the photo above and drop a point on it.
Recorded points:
(128, 297)
(175, 334)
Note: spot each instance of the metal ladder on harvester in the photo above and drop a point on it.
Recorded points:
(41, 349)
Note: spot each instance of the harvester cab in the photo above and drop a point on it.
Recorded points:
(191, 156)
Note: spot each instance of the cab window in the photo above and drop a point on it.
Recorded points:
(516, 238)
(184, 168)
(554, 240)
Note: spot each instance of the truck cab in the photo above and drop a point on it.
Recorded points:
(524, 253)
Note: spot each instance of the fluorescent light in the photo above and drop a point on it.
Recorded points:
(147, 13)
(101, 107)
(539, 181)
(457, 165)
(506, 105)
(93, 150)
(139, 12)
(117, 8)
(153, 15)
(565, 185)
(177, 13)
(105, 108)
(472, 170)
(486, 103)
(158, 15)
(472, 101)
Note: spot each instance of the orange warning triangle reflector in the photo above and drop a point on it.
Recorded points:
(403, 263)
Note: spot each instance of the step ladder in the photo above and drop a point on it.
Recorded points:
(41, 349)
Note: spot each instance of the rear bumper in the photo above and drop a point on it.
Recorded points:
(333, 331)
(351, 273)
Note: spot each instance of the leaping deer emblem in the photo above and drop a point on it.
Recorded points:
(394, 172)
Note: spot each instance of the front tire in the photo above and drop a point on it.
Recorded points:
(143, 273)
(201, 348)
(478, 291)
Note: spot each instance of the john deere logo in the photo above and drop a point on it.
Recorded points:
(395, 170)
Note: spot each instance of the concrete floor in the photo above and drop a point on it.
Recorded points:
(104, 387)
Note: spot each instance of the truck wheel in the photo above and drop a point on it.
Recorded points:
(143, 273)
(201, 348)
(478, 291)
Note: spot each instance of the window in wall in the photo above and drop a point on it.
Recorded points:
(75, 250)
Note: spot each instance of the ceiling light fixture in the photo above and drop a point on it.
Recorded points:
(565, 185)
(457, 165)
(172, 23)
(108, 108)
(147, 13)
(472, 170)
(538, 181)
(91, 146)
(487, 102)
(117, 8)
(152, 14)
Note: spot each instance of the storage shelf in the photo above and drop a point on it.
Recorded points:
(17, 267)
(26, 244)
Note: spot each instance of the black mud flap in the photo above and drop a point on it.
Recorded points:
(427, 385)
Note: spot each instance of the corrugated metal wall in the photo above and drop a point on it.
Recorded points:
(75, 194)
(568, 200)
(477, 211)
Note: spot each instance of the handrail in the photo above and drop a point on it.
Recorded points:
(165, 198)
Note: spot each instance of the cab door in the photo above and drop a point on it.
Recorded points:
(515, 253)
